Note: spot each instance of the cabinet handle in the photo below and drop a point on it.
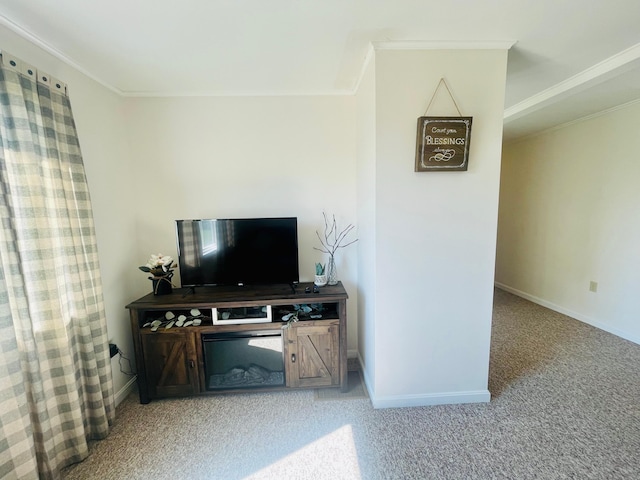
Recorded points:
(293, 358)
(192, 364)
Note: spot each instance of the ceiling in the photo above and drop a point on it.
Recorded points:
(570, 59)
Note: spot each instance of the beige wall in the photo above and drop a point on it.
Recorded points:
(366, 155)
(570, 214)
(434, 232)
(228, 157)
(150, 161)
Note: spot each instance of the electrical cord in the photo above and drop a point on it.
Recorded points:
(123, 357)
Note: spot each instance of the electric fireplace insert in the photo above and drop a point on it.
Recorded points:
(248, 359)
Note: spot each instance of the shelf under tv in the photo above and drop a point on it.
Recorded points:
(173, 362)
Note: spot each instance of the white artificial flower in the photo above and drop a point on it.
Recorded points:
(159, 260)
(159, 265)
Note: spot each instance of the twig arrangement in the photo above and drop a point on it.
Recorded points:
(333, 239)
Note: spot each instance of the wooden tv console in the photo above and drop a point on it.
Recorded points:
(173, 361)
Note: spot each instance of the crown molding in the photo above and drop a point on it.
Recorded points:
(443, 45)
(363, 68)
(179, 94)
(569, 123)
(37, 41)
(373, 46)
(592, 75)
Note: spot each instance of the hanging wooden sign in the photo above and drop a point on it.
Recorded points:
(442, 144)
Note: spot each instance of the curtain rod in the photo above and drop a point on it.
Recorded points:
(14, 63)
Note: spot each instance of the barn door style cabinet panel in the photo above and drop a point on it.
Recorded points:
(171, 366)
(230, 339)
(312, 352)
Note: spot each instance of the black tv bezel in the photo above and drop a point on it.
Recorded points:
(276, 281)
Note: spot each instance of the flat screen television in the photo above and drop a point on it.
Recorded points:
(246, 251)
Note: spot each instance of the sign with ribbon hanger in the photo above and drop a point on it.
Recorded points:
(442, 143)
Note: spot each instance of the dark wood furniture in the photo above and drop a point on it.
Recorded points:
(171, 362)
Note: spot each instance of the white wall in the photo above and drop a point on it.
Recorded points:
(150, 161)
(435, 232)
(226, 157)
(427, 309)
(569, 215)
(366, 155)
(99, 119)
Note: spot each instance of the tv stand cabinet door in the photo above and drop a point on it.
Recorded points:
(170, 364)
(312, 355)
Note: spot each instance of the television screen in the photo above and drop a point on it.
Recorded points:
(237, 251)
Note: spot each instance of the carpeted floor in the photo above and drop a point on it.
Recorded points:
(355, 389)
(565, 405)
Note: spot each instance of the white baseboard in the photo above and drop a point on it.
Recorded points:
(569, 313)
(125, 391)
(422, 400)
(365, 375)
(429, 399)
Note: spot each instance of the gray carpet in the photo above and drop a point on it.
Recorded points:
(355, 389)
(565, 405)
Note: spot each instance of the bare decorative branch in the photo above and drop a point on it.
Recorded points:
(334, 239)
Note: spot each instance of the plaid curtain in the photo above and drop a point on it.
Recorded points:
(55, 368)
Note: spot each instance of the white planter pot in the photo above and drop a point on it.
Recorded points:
(321, 280)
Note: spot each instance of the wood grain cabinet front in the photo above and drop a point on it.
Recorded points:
(312, 354)
(170, 363)
(171, 359)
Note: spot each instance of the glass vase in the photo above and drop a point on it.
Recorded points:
(332, 274)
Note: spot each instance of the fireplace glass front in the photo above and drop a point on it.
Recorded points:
(247, 359)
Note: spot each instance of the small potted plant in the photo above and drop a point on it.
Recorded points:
(321, 278)
(161, 268)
